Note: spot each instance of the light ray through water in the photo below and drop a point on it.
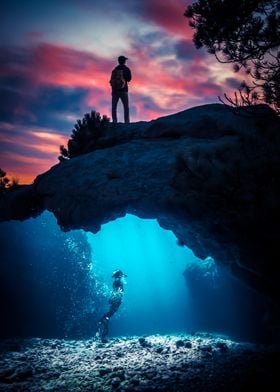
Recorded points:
(156, 295)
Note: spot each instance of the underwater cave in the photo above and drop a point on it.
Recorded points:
(181, 319)
(202, 321)
(57, 284)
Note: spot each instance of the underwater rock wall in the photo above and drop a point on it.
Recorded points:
(210, 174)
(222, 302)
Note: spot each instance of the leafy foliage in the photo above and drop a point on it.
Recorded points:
(246, 33)
(84, 136)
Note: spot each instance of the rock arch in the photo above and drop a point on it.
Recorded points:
(209, 174)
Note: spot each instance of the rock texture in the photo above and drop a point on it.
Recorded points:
(201, 362)
(210, 174)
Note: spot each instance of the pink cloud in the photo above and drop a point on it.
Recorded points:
(63, 66)
(161, 84)
(169, 14)
(59, 66)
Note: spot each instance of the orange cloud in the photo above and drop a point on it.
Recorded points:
(24, 168)
(28, 152)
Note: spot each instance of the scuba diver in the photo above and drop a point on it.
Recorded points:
(115, 301)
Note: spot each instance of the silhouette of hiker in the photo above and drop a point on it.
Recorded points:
(121, 74)
(115, 301)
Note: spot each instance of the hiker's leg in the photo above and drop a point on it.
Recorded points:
(115, 99)
(124, 98)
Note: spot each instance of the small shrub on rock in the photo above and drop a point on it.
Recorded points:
(85, 135)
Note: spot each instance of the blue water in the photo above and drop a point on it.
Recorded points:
(57, 284)
(156, 295)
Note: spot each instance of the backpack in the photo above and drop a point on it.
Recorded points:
(117, 80)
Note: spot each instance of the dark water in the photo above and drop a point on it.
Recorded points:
(56, 284)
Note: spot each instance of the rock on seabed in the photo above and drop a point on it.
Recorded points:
(197, 362)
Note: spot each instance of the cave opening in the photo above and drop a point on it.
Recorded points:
(156, 297)
(168, 288)
(57, 284)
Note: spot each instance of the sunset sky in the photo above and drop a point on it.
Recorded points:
(56, 60)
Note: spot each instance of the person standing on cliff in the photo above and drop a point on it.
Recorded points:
(120, 76)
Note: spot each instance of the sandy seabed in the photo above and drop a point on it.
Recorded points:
(198, 362)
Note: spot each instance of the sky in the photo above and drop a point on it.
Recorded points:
(56, 61)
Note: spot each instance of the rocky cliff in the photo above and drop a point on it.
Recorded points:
(210, 174)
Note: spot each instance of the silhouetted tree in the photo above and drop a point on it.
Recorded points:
(246, 33)
(84, 136)
(4, 180)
